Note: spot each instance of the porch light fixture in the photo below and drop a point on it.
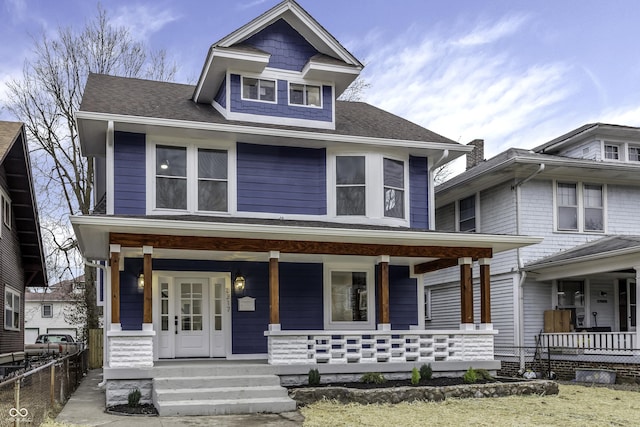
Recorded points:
(239, 283)
(140, 281)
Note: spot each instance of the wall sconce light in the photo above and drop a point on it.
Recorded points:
(140, 280)
(239, 283)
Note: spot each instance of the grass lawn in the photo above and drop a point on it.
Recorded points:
(575, 405)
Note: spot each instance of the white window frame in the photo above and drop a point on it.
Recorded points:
(617, 151)
(370, 324)
(43, 311)
(633, 147)
(427, 304)
(260, 79)
(374, 188)
(304, 104)
(192, 174)
(11, 293)
(476, 206)
(6, 210)
(580, 207)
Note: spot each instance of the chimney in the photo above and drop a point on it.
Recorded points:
(476, 156)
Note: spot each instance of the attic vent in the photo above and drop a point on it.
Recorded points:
(585, 151)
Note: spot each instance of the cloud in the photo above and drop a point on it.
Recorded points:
(243, 6)
(16, 9)
(142, 21)
(487, 32)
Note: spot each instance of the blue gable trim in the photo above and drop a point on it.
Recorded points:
(285, 180)
(282, 107)
(129, 174)
(288, 49)
(419, 192)
(221, 96)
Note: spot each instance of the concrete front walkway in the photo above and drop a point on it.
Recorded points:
(86, 408)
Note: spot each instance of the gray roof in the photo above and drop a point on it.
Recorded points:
(588, 128)
(604, 246)
(147, 98)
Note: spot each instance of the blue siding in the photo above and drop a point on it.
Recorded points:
(221, 96)
(403, 307)
(301, 305)
(131, 297)
(282, 107)
(288, 49)
(129, 174)
(285, 180)
(419, 192)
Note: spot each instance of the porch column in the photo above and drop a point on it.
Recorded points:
(147, 318)
(383, 292)
(114, 263)
(274, 291)
(637, 343)
(485, 292)
(466, 293)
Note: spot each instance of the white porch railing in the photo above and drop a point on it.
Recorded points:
(614, 343)
(310, 347)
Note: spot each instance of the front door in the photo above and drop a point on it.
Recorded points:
(631, 305)
(191, 319)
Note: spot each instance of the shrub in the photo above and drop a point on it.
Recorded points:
(415, 376)
(134, 397)
(373, 378)
(483, 374)
(314, 377)
(470, 377)
(426, 372)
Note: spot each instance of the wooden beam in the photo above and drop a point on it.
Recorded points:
(383, 295)
(485, 293)
(147, 302)
(439, 264)
(466, 294)
(293, 246)
(115, 287)
(274, 292)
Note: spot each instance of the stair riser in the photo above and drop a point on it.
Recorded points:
(225, 409)
(249, 393)
(196, 383)
(212, 371)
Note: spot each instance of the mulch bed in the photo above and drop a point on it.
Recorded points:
(145, 409)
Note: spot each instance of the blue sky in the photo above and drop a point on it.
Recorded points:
(515, 73)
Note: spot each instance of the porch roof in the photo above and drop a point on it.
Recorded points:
(607, 254)
(249, 235)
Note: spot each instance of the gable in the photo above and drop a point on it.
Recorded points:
(288, 49)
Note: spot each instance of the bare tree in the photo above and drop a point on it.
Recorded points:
(45, 99)
(355, 91)
(442, 173)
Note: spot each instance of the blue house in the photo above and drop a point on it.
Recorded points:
(253, 218)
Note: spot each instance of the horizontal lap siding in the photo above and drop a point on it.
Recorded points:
(301, 304)
(537, 299)
(419, 192)
(403, 306)
(502, 311)
(129, 174)
(445, 307)
(131, 297)
(283, 180)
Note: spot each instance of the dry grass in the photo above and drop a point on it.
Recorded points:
(574, 406)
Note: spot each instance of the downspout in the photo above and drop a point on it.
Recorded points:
(104, 267)
(432, 196)
(523, 274)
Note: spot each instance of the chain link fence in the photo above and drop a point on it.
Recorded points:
(27, 398)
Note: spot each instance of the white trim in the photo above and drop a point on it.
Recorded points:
(259, 79)
(282, 121)
(147, 250)
(304, 95)
(274, 254)
(14, 293)
(7, 211)
(328, 268)
(580, 184)
(425, 303)
(114, 248)
(476, 207)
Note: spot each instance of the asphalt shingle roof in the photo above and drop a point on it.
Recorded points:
(147, 98)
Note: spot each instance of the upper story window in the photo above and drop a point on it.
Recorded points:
(258, 89)
(634, 154)
(611, 152)
(467, 214)
(11, 309)
(191, 179)
(580, 207)
(393, 188)
(47, 310)
(301, 94)
(350, 185)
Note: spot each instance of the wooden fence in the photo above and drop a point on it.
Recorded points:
(95, 348)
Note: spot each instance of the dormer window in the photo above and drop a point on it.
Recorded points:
(634, 154)
(611, 152)
(258, 89)
(309, 95)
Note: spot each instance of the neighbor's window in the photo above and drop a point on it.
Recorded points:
(212, 180)
(11, 309)
(467, 214)
(47, 310)
(393, 188)
(171, 177)
(634, 154)
(567, 199)
(571, 297)
(6, 211)
(258, 89)
(593, 208)
(611, 152)
(300, 94)
(350, 185)
(580, 207)
(349, 297)
(427, 304)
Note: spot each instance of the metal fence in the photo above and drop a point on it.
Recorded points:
(27, 398)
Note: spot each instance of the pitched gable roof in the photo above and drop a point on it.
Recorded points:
(14, 157)
(585, 131)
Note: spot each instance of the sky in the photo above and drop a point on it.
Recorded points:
(514, 73)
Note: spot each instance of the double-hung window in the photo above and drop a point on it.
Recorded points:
(634, 153)
(349, 298)
(191, 179)
(258, 89)
(580, 207)
(6, 211)
(350, 185)
(393, 188)
(301, 94)
(11, 309)
(47, 310)
(611, 152)
(467, 214)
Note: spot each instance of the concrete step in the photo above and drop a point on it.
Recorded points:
(199, 370)
(224, 407)
(219, 393)
(216, 381)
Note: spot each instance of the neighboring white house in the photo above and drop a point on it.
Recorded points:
(581, 192)
(44, 312)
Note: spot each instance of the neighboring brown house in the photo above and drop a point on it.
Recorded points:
(21, 254)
